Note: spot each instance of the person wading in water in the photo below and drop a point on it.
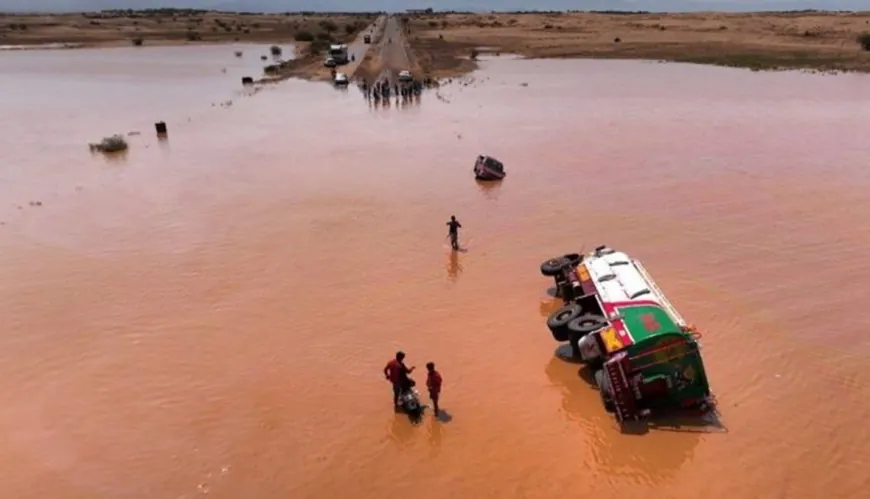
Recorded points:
(397, 373)
(453, 232)
(433, 383)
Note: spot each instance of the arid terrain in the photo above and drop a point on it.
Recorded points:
(443, 43)
(166, 27)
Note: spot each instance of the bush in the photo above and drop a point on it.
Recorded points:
(317, 47)
(474, 54)
(137, 42)
(349, 28)
(328, 26)
(193, 36)
(324, 36)
(275, 50)
(304, 36)
(864, 40)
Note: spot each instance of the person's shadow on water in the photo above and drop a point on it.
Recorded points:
(444, 416)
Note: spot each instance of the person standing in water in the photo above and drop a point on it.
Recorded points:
(453, 231)
(397, 374)
(433, 383)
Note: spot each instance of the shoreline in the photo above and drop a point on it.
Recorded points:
(445, 45)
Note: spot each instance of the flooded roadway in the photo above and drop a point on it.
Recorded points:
(211, 314)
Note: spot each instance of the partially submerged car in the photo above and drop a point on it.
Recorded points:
(646, 359)
(488, 168)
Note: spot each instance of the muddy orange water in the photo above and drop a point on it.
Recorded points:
(210, 314)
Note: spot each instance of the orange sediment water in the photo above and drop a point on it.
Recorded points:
(210, 314)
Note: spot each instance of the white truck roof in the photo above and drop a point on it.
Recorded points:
(620, 279)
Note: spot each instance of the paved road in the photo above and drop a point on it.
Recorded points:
(394, 56)
(358, 48)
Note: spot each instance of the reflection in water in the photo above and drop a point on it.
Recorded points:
(436, 435)
(454, 267)
(490, 189)
(650, 459)
(205, 308)
(402, 429)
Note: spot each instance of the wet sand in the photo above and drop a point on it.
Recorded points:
(211, 314)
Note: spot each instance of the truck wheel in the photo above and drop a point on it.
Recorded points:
(558, 321)
(585, 324)
(604, 390)
(554, 266)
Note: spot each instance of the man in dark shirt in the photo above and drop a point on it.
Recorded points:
(397, 373)
(453, 231)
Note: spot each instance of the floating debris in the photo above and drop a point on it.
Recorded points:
(275, 50)
(114, 143)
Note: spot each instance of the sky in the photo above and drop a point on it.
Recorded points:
(400, 5)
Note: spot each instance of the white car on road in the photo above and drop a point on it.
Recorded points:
(341, 79)
(405, 76)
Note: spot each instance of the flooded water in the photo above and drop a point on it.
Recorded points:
(210, 314)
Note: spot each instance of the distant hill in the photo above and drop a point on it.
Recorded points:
(401, 5)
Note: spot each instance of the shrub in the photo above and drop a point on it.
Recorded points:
(193, 36)
(317, 47)
(328, 26)
(304, 36)
(349, 28)
(137, 42)
(275, 50)
(324, 36)
(864, 40)
(474, 54)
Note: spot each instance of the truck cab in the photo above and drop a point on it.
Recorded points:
(645, 358)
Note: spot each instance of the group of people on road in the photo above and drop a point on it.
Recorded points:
(399, 375)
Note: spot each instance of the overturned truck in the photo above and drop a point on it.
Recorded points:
(646, 359)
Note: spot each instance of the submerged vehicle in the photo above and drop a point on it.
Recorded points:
(646, 359)
(488, 168)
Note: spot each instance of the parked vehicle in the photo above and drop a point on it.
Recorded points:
(341, 79)
(646, 359)
(330, 62)
(367, 39)
(405, 76)
(338, 53)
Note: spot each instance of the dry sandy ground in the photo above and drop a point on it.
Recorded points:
(173, 27)
(443, 43)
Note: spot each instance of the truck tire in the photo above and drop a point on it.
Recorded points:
(604, 390)
(558, 321)
(585, 324)
(555, 266)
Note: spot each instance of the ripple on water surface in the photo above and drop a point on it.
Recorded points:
(210, 314)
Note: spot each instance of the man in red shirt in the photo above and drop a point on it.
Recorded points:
(433, 383)
(397, 373)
